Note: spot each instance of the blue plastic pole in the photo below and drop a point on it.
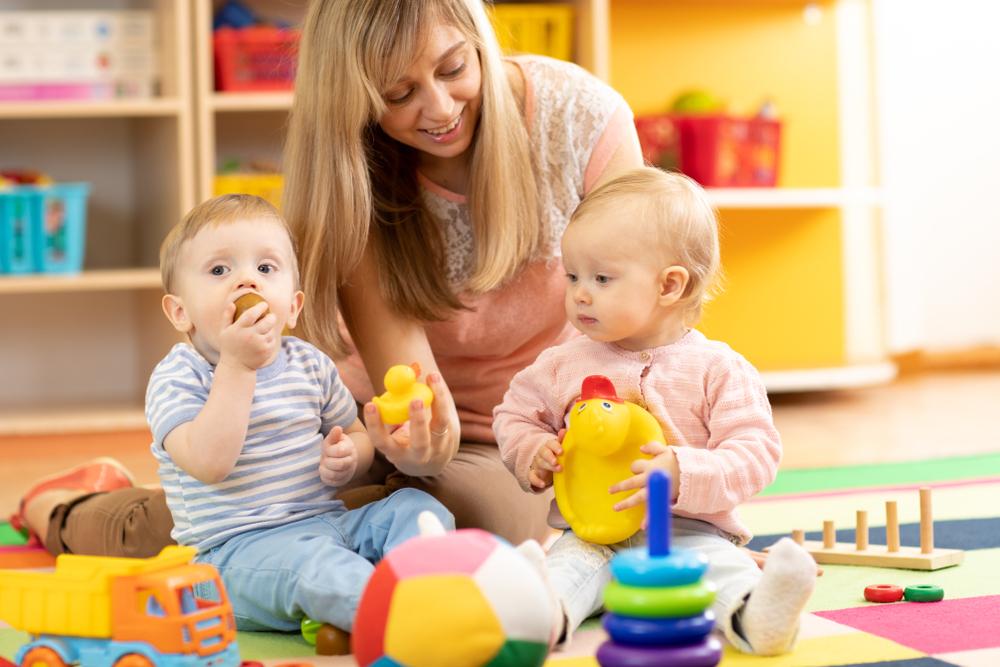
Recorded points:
(658, 507)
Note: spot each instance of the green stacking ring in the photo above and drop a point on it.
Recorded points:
(923, 593)
(671, 602)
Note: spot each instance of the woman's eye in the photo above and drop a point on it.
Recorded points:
(454, 71)
(399, 97)
(218, 270)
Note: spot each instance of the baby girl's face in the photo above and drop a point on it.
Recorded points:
(612, 282)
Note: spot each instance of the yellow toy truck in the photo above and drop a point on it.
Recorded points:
(122, 612)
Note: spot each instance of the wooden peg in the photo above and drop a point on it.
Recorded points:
(891, 527)
(799, 536)
(926, 521)
(861, 531)
(829, 536)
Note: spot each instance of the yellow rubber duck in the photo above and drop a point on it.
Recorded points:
(601, 442)
(401, 389)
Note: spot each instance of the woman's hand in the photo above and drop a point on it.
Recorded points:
(428, 441)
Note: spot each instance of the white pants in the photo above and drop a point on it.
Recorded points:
(580, 570)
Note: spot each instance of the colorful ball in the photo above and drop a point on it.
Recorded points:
(462, 598)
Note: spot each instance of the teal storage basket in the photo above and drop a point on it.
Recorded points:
(19, 207)
(43, 228)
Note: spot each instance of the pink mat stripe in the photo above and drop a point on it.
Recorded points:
(948, 626)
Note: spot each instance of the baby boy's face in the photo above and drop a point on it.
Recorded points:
(222, 263)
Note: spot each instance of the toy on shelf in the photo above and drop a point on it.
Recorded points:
(249, 300)
(128, 612)
(657, 601)
(601, 442)
(461, 598)
(924, 557)
(401, 389)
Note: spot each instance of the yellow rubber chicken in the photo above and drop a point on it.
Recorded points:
(601, 442)
(401, 389)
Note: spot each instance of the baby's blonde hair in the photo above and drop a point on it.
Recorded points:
(220, 210)
(673, 211)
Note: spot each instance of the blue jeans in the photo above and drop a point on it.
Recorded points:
(316, 567)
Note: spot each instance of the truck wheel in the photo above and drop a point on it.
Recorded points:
(133, 660)
(42, 656)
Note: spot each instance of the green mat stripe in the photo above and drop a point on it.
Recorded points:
(884, 474)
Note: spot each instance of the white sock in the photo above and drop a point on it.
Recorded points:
(770, 617)
(560, 634)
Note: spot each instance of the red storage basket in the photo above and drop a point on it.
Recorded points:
(255, 59)
(715, 150)
(729, 151)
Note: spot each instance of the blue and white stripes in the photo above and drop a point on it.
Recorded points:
(298, 399)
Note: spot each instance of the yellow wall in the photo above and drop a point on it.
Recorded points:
(783, 303)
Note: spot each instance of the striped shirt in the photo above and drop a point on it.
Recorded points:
(298, 399)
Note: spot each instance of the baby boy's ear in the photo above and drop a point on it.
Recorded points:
(173, 308)
(297, 302)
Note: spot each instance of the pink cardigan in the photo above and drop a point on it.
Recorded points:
(709, 400)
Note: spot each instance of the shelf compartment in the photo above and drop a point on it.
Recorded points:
(236, 102)
(825, 379)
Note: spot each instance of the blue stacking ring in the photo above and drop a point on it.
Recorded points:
(635, 631)
(635, 567)
(704, 654)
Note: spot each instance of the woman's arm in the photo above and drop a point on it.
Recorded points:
(385, 338)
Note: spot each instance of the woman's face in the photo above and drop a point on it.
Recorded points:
(435, 106)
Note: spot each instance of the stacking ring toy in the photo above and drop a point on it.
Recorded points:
(635, 567)
(659, 602)
(923, 593)
(883, 593)
(658, 631)
(705, 654)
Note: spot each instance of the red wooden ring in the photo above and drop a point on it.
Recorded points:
(883, 593)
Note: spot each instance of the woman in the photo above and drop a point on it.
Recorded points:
(428, 183)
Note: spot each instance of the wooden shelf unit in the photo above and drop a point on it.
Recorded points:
(78, 351)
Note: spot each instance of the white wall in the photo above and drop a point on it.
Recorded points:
(937, 90)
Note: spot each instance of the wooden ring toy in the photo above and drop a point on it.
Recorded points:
(673, 602)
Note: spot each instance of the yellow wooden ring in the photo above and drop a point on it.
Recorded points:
(671, 602)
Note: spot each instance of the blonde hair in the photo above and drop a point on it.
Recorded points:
(213, 212)
(675, 212)
(350, 187)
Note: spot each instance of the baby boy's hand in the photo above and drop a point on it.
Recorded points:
(663, 459)
(250, 340)
(339, 460)
(545, 463)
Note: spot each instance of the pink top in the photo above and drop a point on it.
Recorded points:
(708, 399)
(575, 124)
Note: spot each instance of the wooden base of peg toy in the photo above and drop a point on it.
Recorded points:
(907, 558)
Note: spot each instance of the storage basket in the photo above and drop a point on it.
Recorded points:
(255, 59)
(267, 186)
(730, 151)
(543, 28)
(43, 228)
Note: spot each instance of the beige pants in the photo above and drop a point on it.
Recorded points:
(475, 486)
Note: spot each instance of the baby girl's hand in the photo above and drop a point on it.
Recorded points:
(663, 459)
(339, 460)
(545, 463)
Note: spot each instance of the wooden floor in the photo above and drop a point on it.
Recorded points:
(917, 417)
